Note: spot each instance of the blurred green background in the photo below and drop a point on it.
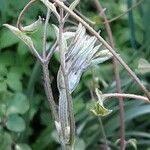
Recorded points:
(25, 119)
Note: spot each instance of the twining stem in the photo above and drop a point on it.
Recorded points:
(130, 96)
(69, 98)
(116, 71)
(120, 60)
(23, 12)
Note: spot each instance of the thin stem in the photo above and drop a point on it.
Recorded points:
(36, 54)
(45, 32)
(69, 98)
(131, 96)
(51, 50)
(48, 90)
(129, 9)
(79, 14)
(23, 12)
(95, 85)
(120, 60)
(116, 71)
(103, 132)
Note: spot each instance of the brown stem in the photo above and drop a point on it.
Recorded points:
(131, 96)
(120, 60)
(116, 71)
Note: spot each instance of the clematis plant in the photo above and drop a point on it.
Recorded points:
(78, 52)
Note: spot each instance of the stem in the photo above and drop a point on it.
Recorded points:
(23, 12)
(120, 60)
(117, 77)
(36, 54)
(69, 98)
(79, 14)
(51, 50)
(95, 85)
(132, 96)
(48, 90)
(103, 132)
(128, 10)
(45, 33)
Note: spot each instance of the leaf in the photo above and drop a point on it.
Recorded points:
(7, 59)
(2, 109)
(19, 104)
(99, 109)
(15, 123)
(7, 39)
(3, 70)
(22, 146)
(5, 141)
(33, 27)
(130, 114)
(79, 144)
(74, 4)
(143, 66)
(101, 56)
(133, 143)
(14, 82)
(3, 86)
(26, 39)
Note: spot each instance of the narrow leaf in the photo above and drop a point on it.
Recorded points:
(20, 35)
(33, 27)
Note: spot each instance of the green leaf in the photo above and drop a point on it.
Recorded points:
(74, 4)
(13, 81)
(2, 109)
(22, 49)
(14, 84)
(19, 104)
(79, 144)
(7, 39)
(22, 146)
(130, 114)
(5, 141)
(3, 86)
(26, 39)
(15, 123)
(3, 70)
(7, 58)
(33, 27)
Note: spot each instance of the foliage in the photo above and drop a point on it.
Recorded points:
(25, 120)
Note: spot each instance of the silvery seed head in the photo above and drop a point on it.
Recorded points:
(82, 53)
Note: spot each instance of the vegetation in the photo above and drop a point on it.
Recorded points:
(85, 77)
